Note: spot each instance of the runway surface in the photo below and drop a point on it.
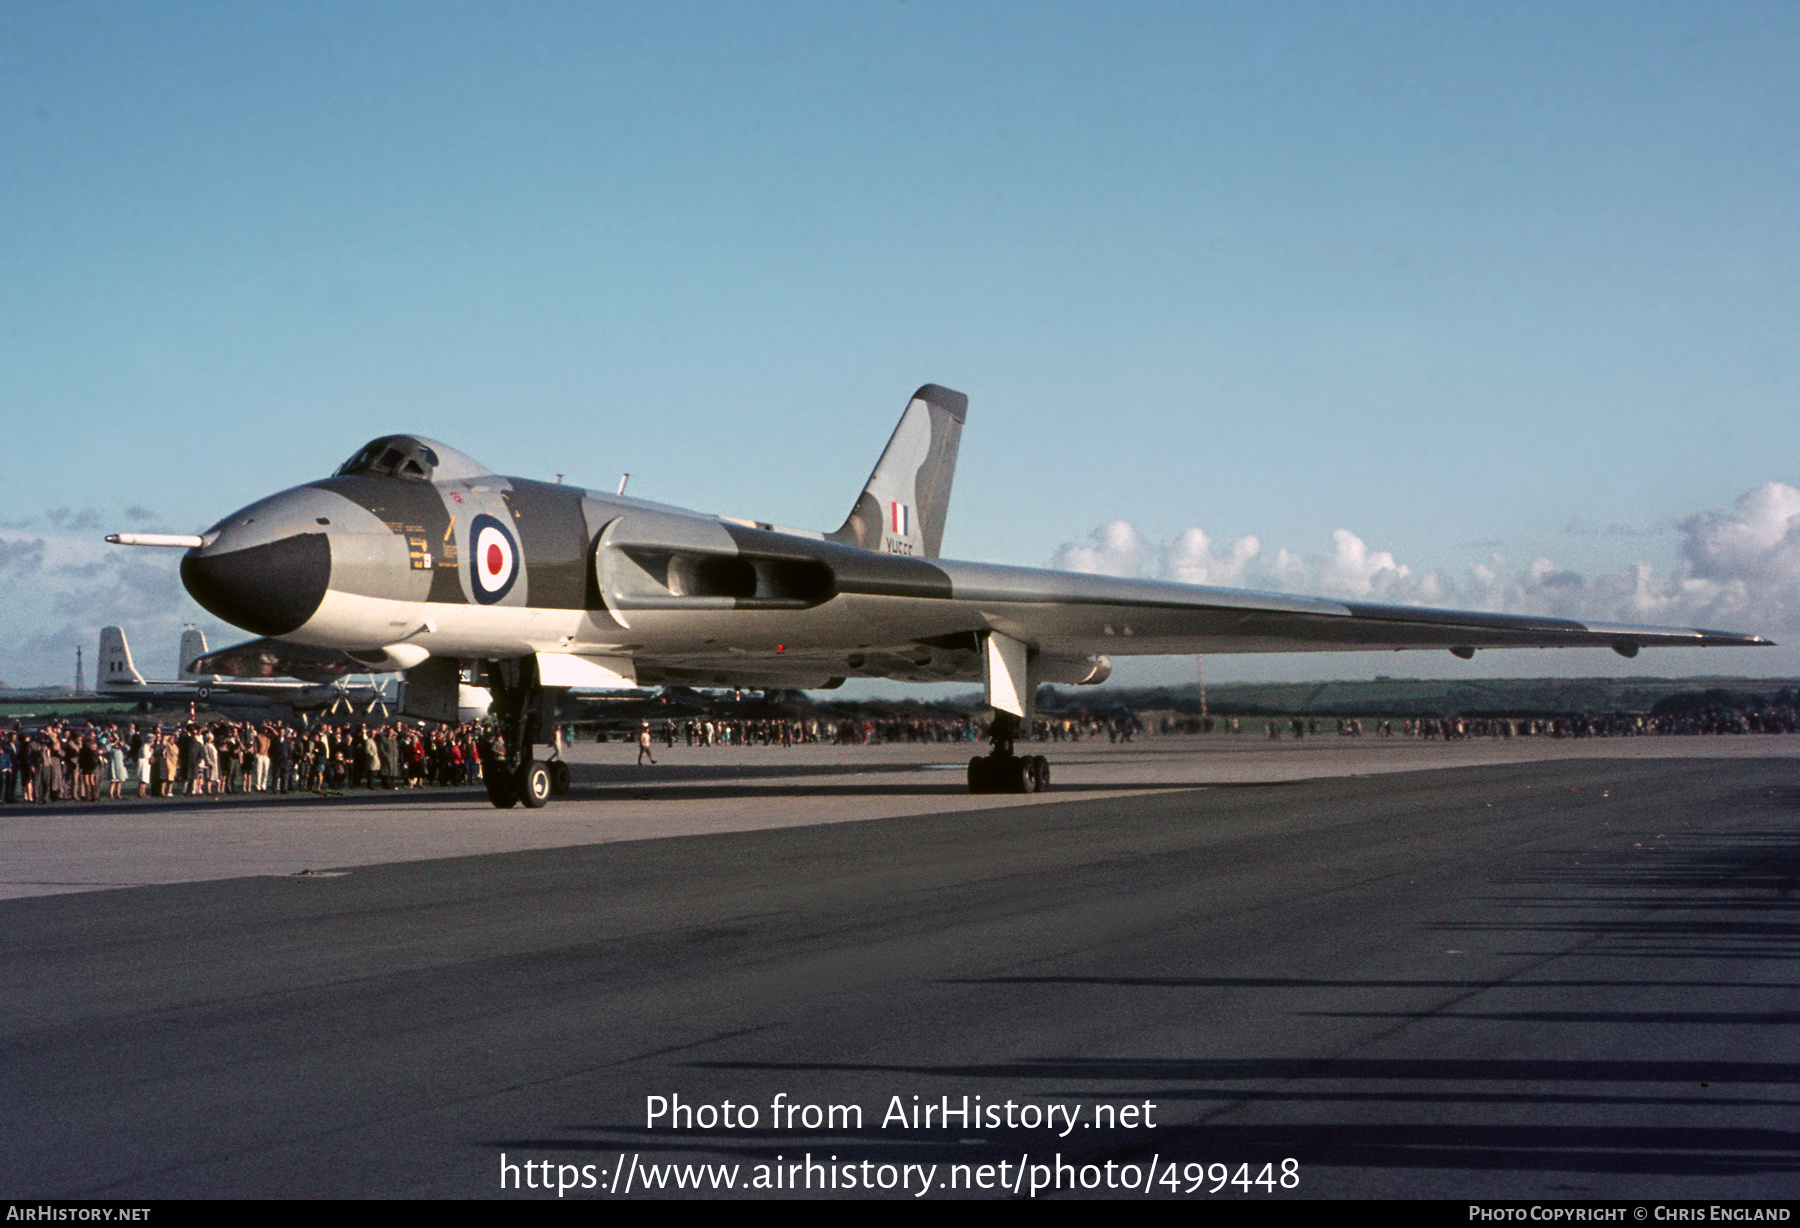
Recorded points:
(1524, 970)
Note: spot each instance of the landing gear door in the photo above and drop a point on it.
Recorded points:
(431, 690)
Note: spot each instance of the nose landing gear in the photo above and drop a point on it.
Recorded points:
(522, 710)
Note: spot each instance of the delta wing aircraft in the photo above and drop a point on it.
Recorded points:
(414, 557)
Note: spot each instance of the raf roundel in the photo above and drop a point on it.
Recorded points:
(493, 559)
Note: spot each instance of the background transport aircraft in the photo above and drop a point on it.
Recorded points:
(414, 557)
(118, 676)
(269, 658)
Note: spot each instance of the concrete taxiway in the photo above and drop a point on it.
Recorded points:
(1532, 969)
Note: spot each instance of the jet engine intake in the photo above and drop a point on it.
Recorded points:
(648, 562)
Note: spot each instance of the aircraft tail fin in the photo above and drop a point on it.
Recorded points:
(115, 668)
(901, 510)
(193, 646)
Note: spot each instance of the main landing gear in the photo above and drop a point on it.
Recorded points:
(1001, 771)
(522, 710)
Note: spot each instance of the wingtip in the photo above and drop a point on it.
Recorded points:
(1735, 639)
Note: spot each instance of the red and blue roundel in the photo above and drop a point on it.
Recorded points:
(493, 559)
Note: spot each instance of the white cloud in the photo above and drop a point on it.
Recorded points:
(1738, 569)
(1192, 558)
(60, 590)
(1744, 562)
(1117, 550)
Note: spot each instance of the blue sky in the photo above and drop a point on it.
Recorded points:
(1461, 281)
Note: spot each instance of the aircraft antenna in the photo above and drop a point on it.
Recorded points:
(623, 478)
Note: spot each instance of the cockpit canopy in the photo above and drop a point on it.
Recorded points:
(412, 458)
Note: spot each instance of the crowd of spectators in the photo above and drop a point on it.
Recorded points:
(69, 762)
(1708, 720)
(879, 730)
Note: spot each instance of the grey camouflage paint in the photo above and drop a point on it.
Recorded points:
(915, 471)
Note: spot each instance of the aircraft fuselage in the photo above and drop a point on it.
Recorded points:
(481, 566)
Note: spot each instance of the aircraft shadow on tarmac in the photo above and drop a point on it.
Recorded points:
(607, 783)
(746, 791)
(912, 777)
(355, 796)
(884, 779)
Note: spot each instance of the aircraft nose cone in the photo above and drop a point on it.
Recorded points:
(268, 589)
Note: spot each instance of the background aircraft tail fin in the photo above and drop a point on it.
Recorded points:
(115, 667)
(193, 645)
(902, 509)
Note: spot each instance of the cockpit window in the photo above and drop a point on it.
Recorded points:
(412, 458)
(399, 456)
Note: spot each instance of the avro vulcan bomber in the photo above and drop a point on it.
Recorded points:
(415, 557)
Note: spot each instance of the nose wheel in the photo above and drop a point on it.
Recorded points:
(536, 784)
